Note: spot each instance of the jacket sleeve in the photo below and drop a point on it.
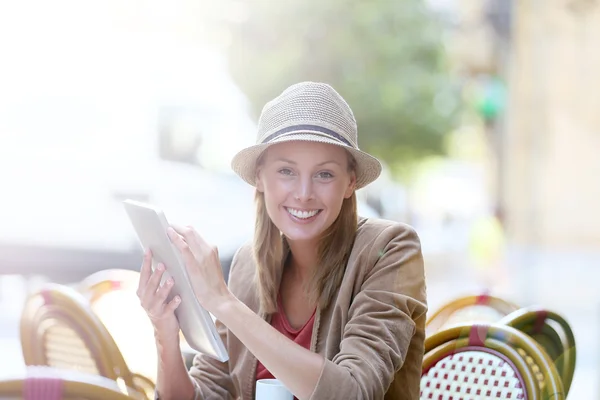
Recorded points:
(381, 328)
(211, 378)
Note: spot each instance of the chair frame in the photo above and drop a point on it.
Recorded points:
(436, 321)
(74, 385)
(99, 283)
(535, 321)
(96, 285)
(54, 303)
(500, 340)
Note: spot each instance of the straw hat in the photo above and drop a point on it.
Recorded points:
(312, 112)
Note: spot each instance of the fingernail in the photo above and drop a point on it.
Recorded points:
(177, 299)
(170, 281)
(161, 267)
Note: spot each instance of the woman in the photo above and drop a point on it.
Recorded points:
(331, 306)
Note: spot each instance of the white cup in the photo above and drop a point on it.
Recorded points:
(272, 389)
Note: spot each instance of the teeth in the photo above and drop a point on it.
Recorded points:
(302, 214)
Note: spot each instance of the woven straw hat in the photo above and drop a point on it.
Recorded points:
(312, 112)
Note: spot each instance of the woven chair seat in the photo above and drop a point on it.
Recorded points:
(471, 375)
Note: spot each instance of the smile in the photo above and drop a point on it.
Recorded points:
(302, 214)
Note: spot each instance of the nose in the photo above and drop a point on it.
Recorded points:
(304, 189)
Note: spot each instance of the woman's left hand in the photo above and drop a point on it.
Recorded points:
(203, 266)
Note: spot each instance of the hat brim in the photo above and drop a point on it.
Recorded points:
(368, 168)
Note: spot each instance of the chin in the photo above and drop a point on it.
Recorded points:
(299, 233)
(299, 236)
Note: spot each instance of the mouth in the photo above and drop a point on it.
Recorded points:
(303, 215)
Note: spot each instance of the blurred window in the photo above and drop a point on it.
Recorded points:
(181, 132)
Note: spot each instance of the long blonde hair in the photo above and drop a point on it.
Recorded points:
(271, 248)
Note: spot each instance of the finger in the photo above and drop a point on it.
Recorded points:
(173, 304)
(176, 237)
(186, 231)
(145, 272)
(183, 246)
(190, 234)
(152, 286)
(158, 300)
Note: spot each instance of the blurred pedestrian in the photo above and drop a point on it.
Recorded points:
(487, 252)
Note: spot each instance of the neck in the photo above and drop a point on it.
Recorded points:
(304, 258)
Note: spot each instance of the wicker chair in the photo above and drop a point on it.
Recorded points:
(469, 309)
(59, 329)
(482, 362)
(105, 288)
(46, 383)
(553, 333)
(130, 327)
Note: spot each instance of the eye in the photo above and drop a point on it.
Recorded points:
(325, 175)
(285, 171)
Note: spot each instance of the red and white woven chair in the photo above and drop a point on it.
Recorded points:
(481, 308)
(553, 333)
(481, 362)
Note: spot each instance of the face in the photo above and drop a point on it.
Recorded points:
(304, 185)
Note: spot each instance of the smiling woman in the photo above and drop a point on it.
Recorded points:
(305, 190)
(342, 297)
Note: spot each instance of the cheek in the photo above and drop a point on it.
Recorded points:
(333, 196)
(278, 188)
(275, 194)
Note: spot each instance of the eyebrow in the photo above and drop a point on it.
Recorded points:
(319, 164)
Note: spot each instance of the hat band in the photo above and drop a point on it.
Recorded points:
(314, 128)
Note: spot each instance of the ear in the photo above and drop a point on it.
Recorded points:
(351, 186)
(259, 182)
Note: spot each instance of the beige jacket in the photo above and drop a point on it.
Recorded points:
(371, 335)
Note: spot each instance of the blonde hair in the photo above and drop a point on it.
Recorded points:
(270, 248)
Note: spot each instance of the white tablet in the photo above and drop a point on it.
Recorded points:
(196, 323)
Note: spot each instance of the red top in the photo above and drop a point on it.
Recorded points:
(301, 336)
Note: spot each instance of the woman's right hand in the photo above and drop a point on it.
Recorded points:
(153, 298)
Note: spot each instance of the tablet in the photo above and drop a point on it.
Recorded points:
(197, 325)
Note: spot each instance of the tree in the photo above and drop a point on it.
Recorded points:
(385, 57)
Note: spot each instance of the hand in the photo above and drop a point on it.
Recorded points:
(203, 266)
(153, 298)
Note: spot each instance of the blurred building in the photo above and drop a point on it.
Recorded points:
(552, 185)
(543, 167)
